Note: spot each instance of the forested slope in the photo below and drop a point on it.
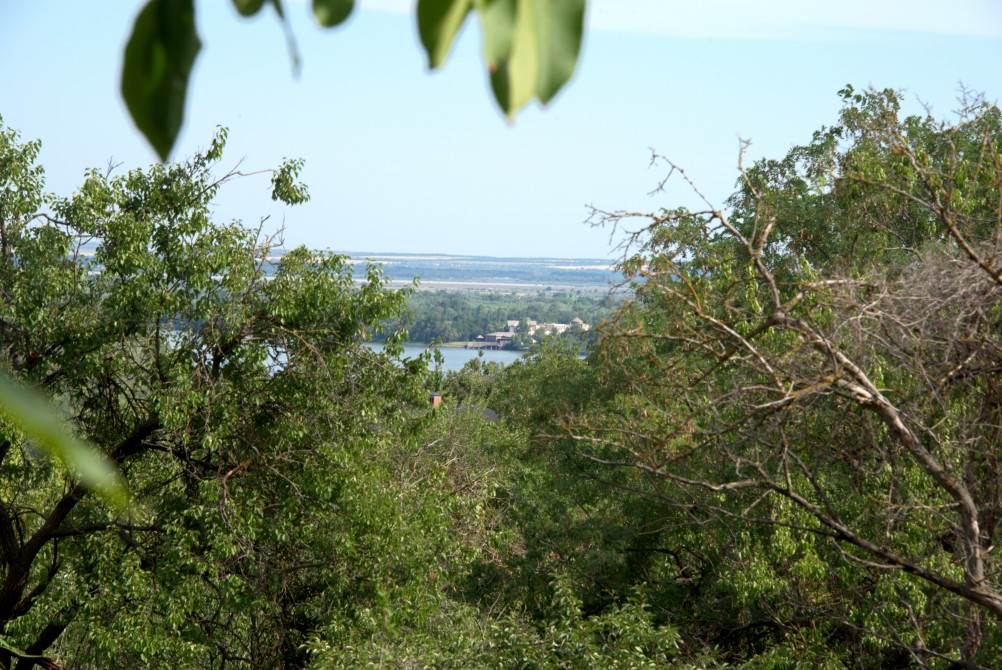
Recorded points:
(783, 452)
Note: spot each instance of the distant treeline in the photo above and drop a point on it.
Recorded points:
(451, 316)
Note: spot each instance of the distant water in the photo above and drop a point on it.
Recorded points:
(455, 358)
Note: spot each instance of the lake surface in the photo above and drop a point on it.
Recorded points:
(455, 357)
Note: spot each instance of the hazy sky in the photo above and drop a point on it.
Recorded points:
(399, 159)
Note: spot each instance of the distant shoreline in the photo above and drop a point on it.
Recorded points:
(497, 286)
(445, 345)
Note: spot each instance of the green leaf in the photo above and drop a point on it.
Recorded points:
(544, 39)
(497, 21)
(7, 646)
(330, 13)
(158, 61)
(438, 23)
(248, 7)
(30, 412)
(515, 78)
(559, 26)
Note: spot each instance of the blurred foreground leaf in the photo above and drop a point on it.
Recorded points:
(7, 646)
(158, 62)
(248, 7)
(530, 46)
(438, 23)
(30, 412)
(330, 13)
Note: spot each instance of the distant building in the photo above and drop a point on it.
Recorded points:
(513, 325)
(491, 341)
(502, 338)
(553, 328)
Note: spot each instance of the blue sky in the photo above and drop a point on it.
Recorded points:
(400, 159)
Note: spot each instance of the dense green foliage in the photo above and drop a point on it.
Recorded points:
(782, 453)
(241, 410)
(817, 372)
(787, 447)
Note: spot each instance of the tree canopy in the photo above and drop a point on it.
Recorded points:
(232, 388)
(783, 451)
(819, 366)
